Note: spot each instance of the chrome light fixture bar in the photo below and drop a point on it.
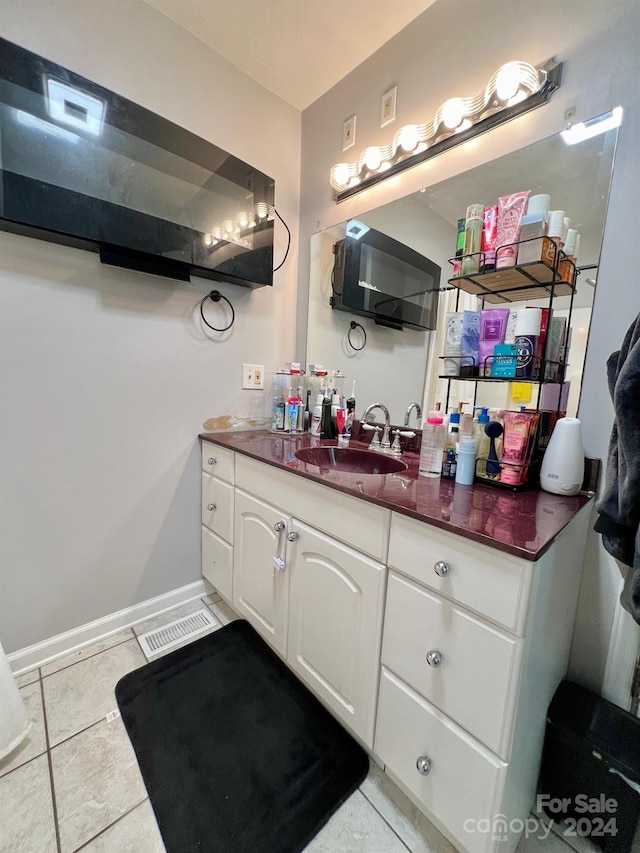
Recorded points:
(514, 89)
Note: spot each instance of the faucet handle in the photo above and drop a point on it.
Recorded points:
(375, 441)
(396, 447)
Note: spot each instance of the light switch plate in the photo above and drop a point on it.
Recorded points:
(253, 377)
(349, 133)
(388, 106)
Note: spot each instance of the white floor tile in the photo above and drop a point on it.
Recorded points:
(36, 742)
(211, 599)
(223, 612)
(87, 651)
(96, 780)
(28, 677)
(82, 694)
(26, 810)
(356, 828)
(136, 832)
(416, 830)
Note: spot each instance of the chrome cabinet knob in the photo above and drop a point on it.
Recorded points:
(292, 536)
(441, 568)
(211, 507)
(434, 658)
(279, 526)
(424, 765)
(212, 460)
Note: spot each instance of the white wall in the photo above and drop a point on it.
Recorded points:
(450, 50)
(106, 376)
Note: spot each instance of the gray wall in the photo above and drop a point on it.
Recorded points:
(451, 50)
(106, 377)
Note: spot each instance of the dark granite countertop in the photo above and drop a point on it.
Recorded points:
(521, 523)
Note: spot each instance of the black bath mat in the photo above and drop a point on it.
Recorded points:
(237, 755)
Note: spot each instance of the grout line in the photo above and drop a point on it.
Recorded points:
(113, 823)
(395, 831)
(54, 802)
(81, 731)
(88, 657)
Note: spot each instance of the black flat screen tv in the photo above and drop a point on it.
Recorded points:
(85, 167)
(376, 276)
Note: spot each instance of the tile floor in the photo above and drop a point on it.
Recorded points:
(75, 785)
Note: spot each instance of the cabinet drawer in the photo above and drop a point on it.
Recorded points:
(218, 461)
(465, 781)
(217, 563)
(363, 525)
(492, 583)
(217, 506)
(475, 679)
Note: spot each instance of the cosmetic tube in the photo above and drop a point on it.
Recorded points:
(511, 209)
(489, 238)
(517, 442)
(493, 326)
(457, 265)
(472, 239)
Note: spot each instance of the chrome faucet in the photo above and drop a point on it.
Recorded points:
(385, 443)
(418, 409)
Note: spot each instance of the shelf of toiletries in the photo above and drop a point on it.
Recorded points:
(515, 250)
(536, 280)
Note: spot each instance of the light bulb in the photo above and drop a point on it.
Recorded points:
(408, 137)
(217, 233)
(228, 225)
(340, 175)
(508, 81)
(452, 113)
(207, 239)
(372, 159)
(243, 220)
(261, 210)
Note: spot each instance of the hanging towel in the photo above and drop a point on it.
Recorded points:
(14, 723)
(619, 506)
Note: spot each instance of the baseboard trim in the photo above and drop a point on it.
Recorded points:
(55, 647)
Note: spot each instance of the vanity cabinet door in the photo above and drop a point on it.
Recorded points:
(260, 586)
(336, 598)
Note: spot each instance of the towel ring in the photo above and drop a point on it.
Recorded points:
(216, 296)
(353, 326)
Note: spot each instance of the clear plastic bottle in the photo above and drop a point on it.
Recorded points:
(432, 449)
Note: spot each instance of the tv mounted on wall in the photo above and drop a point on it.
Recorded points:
(85, 167)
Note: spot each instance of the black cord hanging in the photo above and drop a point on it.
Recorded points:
(353, 326)
(216, 296)
(288, 241)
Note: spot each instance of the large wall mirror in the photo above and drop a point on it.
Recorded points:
(397, 367)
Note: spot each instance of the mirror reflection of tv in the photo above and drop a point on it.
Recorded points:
(379, 277)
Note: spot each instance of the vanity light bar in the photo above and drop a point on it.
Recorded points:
(232, 230)
(514, 89)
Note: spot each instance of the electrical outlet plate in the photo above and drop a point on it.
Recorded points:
(253, 377)
(388, 106)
